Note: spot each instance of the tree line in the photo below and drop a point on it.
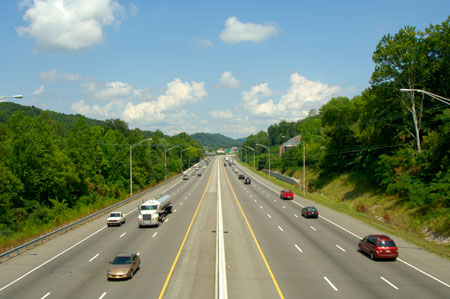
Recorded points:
(398, 140)
(53, 171)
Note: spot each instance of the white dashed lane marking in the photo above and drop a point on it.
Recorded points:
(329, 282)
(94, 257)
(298, 248)
(122, 235)
(280, 228)
(313, 228)
(389, 283)
(340, 248)
(46, 295)
(268, 215)
(154, 235)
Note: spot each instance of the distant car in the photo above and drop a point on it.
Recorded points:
(115, 218)
(241, 177)
(286, 194)
(193, 173)
(247, 181)
(310, 212)
(199, 174)
(204, 166)
(185, 177)
(236, 170)
(378, 247)
(124, 265)
(224, 164)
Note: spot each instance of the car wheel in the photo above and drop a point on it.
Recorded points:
(372, 256)
(131, 273)
(359, 248)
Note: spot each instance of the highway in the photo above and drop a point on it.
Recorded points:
(270, 251)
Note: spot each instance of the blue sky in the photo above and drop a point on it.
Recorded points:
(229, 67)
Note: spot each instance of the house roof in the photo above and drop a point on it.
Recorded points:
(293, 142)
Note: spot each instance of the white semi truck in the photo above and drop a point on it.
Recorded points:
(153, 211)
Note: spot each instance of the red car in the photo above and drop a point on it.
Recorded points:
(286, 194)
(378, 247)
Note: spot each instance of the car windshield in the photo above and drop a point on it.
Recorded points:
(114, 215)
(311, 209)
(386, 243)
(121, 260)
(148, 208)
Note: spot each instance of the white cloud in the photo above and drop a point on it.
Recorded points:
(177, 95)
(235, 31)
(227, 80)
(200, 42)
(221, 114)
(241, 130)
(94, 111)
(114, 90)
(301, 96)
(38, 91)
(69, 25)
(54, 75)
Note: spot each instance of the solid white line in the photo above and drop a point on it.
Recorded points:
(340, 248)
(280, 228)
(221, 271)
(296, 215)
(94, 257)
(48, 261)
(154, 235)
(268, 215)
(126, 214)
(388, 282)
(329, 282)
(298, 248)
(423, 272)
(122, 235)
(103, 295)
(313, 228)
(46, 295)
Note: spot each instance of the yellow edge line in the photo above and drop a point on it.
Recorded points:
(256, 241)
(185, 238)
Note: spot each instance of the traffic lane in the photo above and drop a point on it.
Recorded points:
(297, 274)
(53, 267)
(410, 254)
(247, 275)
(326, 240)
(194, 273)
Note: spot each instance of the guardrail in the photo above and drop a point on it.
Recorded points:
(17, 250)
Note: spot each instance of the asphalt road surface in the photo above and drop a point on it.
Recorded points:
(270, 251)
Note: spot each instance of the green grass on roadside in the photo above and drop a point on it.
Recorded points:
(370, 207)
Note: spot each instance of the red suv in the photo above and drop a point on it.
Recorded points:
(378, 247)
(286, 194)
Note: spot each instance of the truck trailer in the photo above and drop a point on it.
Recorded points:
(153, 211)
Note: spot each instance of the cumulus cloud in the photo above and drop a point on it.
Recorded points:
(54, 75)
(94, 111)
(200, 42)
(235, 31)
(69, 25)
(302, 95)
(227, 80)
(177, 95)
(114, 90)
(38, 91)
(221, 114)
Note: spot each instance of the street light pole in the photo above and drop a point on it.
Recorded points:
(131, 164)
(435, 96)
(165, 161)
(304, 169)
(254, 159)
(268, 150)
(18, 96)
(181, 159)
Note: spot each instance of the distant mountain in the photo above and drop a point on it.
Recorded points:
(215, 141)
(241, 140)
(8, 108)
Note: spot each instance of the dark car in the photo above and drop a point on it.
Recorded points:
(247, 181)
(241, 177)
(199, 174)
(378, 247)
(124, 265)
(310, 212)
(286, 194)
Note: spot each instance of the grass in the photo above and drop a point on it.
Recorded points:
(362, 201)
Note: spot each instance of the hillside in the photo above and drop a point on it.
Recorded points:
(215, 141)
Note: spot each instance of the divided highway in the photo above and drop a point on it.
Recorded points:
(270, 251)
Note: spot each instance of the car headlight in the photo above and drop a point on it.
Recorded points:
(140, 217)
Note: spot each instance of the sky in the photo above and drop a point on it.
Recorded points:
(228, 67)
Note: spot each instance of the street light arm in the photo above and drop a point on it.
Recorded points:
(17, 96)
(435, 96)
